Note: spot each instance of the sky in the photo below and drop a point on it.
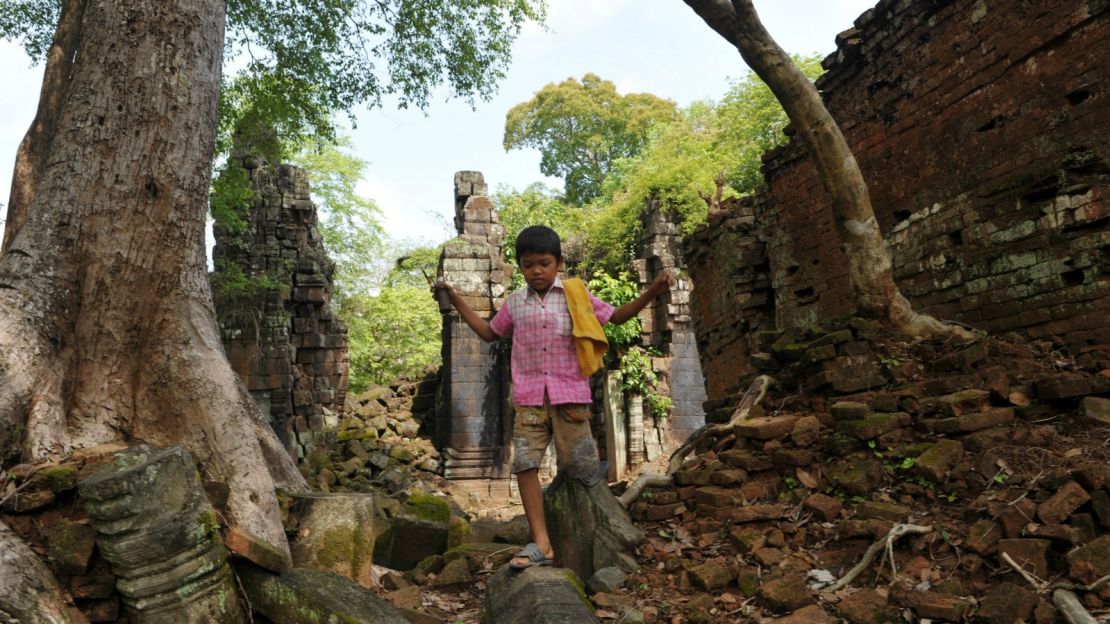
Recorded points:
(653, 46)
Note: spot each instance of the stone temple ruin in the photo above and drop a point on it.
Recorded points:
(282, 339)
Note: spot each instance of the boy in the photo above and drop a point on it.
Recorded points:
(551, 395)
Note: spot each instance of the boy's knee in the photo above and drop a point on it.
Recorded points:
(583, 460)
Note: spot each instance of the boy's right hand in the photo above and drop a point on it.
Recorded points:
(443, 294)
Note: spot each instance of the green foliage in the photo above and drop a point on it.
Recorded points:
(636, 374)
(31, 23)
(306, 59)
(679, 162)
(231, 197)
(348, 222)
(617, 291)
(660, 404)
(750, 121)
(637, 377)
(414, 266)
(311, 57)
(393, 334)
(582, 128)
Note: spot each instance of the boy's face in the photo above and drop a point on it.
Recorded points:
(539, 270)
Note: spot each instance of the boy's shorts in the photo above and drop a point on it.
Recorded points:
(569, 423)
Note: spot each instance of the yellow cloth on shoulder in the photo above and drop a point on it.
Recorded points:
(589, 339)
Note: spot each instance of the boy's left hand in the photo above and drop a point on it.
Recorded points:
(663, 283)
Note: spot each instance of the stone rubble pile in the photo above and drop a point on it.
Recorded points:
(998, 445)
(382, 441)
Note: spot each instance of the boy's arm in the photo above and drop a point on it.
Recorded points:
(477, 323)
(663, 282)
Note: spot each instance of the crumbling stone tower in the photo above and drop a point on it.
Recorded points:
(475, 423)
(667, 324)
(279, 331)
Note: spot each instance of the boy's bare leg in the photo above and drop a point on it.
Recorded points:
(531, 495)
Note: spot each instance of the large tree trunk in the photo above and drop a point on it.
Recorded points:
(107, 329)
(869, 263)
(30, 158)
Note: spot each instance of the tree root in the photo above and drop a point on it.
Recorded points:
(1070, 607)
(640, 484)
(28, 591)
(751, 398)
(887, 544)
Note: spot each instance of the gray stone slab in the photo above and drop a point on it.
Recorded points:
(301, 596)
(537, 596)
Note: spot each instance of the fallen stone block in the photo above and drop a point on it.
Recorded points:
(573, 511)
(302, 596)
(336, 533)
(419, 529)
(785, 594)
(964, 402)
(1030, 554)
(537, 596)
(712, 575)
(1095, 410)
(867, 606)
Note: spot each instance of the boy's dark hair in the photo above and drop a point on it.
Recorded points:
(538, 239)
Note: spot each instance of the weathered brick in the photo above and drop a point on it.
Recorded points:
(1006, 603)
(1030, 554)
(968, 423)
(826, 508)
(1061, 504)
(938, 459)
(1091, 561)
(930, 605)
(712, 575)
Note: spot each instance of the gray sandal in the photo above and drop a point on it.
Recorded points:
(535, 557)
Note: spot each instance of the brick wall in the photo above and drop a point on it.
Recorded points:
(983, 132)
(732, 297)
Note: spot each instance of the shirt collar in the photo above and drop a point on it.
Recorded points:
(558, 283)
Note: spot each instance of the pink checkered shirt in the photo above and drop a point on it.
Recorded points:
(544, 357)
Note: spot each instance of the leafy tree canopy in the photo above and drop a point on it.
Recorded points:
(681, 160)
(302, 60)
(348, 222)
(393, 334)
(581, 128)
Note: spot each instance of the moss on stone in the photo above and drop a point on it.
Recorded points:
(337, 550)
(458, 532)
(428, 507)
(576, 583)
(58, 478)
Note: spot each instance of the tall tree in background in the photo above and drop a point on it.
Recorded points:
(581, 128)
(869, 262)
(107, 330)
